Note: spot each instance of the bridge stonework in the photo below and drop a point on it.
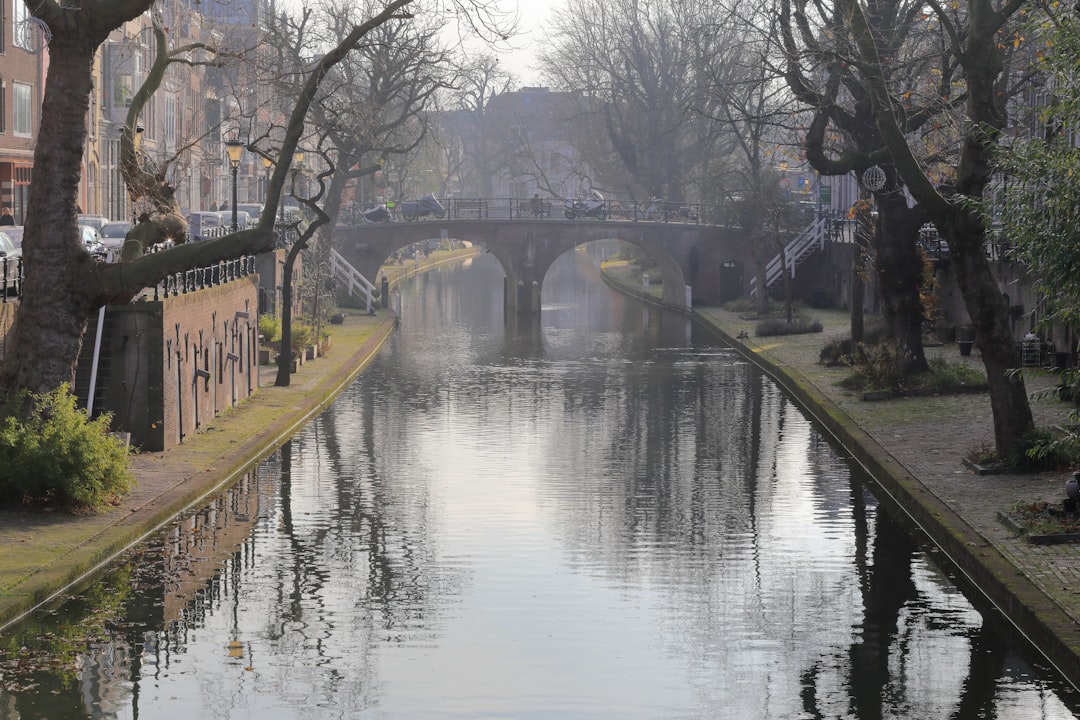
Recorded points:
(709, 259)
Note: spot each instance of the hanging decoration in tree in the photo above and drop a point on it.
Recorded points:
(873, 178)
(33, 34)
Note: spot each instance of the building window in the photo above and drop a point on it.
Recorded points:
(20, 29)
(22, 105)
(3, 105)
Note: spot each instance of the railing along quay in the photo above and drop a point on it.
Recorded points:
(186, 281)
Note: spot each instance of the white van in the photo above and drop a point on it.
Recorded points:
(200, 223)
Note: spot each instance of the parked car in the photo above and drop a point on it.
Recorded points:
(201, 223)
(112, 236)
(91, 240)
(242, 218)
(15, 232)
(9, 264)
(94, 221)
(253, 210)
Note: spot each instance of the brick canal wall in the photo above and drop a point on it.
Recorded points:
(171, 365)
(167, 366)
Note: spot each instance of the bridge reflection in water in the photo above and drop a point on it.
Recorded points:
(592, 513)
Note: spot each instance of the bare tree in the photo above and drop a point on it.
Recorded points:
(744, 94)
(631, 62)
(63, 284)
(465, 131)
(369, 108)
(843, 137)
(977, 33)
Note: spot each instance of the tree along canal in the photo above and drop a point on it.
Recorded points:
(593, 514)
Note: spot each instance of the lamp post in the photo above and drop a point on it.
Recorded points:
(234, 148)
(140, 163)
(267, 164)
(297, 163)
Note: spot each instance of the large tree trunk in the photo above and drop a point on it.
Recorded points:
(899, 271)
(989, 315)
(58, 297)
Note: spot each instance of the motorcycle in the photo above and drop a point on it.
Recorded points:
(377, 214)
(594, 206)
(427, 205)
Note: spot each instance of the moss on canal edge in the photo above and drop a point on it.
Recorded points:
(1035, 616)
(46, 554)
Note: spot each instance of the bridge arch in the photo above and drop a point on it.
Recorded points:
(685, 254)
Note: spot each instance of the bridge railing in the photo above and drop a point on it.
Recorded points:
(354, 280)
(808, 241)
(535, 208)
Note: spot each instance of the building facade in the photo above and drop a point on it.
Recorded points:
(23, 65)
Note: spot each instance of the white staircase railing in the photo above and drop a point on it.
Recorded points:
(340, 268)
(805, 243)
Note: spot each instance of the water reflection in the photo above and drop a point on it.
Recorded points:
(590, 514)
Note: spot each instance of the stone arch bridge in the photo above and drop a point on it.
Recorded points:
(699, 263)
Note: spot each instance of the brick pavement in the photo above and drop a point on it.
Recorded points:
(914, 448)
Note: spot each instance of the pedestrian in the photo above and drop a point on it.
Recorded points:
(6, 217)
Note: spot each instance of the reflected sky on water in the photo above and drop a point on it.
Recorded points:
(596, 513)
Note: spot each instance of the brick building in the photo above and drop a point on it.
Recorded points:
(22, 82)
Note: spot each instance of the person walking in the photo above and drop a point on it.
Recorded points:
(6, 217)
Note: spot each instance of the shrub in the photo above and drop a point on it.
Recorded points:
(301, 335)
(879, 365)
(269, 327)
(54, 454)
(839, 352)
(779, 326)
(1040, 450)
(945, 377)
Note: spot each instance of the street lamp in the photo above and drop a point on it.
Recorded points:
(297, 166)
(267, 164)
(234, 148)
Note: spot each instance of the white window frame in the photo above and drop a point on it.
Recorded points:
(22, 109)
(20, 29)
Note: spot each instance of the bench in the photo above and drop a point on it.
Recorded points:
(470, 208)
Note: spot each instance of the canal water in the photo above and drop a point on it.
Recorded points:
(597, 513)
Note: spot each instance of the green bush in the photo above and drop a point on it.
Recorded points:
(269, 327)
(945, 377)
(839, 352)
(53, 453)
(1041, 450)
(880, 367)
(780, 326)
(302, 335)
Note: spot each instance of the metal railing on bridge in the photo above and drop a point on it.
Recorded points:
(509, 208)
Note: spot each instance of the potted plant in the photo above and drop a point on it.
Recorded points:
(965, 338)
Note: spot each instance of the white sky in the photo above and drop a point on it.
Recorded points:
(519, 54)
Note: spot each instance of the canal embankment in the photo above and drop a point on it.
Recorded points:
(913, 447)
(44, 553)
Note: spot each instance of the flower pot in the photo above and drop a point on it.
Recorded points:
(965, 347)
